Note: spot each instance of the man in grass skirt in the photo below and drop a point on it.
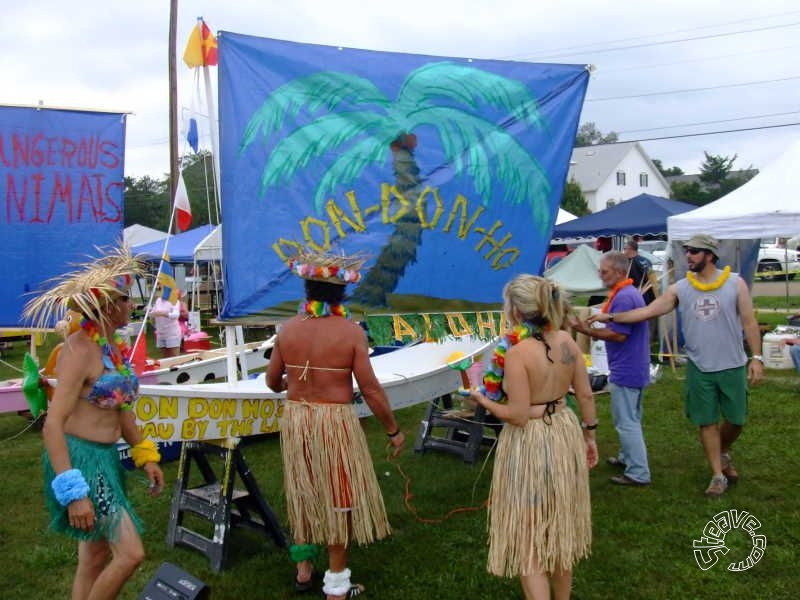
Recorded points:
(332, 493)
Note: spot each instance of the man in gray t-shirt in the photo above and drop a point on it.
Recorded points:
(715, 308)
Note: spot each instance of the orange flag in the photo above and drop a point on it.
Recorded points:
(201, 49)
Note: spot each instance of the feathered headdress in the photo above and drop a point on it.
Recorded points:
(87, 289)
(330, 268)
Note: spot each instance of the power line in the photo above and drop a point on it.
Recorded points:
(695, 60)
(702, 89)
(780, 114)
(674, 31)
(686, 135)
(665, 42)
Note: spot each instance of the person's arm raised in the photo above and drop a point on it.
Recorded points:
(660, 306)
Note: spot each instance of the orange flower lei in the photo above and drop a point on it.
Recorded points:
(617, 287)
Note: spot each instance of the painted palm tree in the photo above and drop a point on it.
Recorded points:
(361, 126)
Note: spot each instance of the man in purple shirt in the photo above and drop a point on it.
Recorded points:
(627, 348)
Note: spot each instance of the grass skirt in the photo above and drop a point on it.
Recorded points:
(105, 475)
(540, 511)
(329, 477)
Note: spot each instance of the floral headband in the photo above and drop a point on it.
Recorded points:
(328, 268)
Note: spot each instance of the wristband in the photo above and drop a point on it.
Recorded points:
(391, 436)
(757, 357)
(145, 452)
(611, 317)
(588, 427)
(69, 486)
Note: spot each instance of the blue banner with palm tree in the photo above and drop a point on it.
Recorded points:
(447, 172)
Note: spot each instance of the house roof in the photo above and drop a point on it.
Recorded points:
(590, 166)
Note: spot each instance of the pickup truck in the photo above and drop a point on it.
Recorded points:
(777, 263)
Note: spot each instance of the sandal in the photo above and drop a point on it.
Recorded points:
(302, 587)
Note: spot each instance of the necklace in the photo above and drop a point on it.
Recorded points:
(118, 361)
(493, 378)
(614, 290)
(314, 309)
(712, 285)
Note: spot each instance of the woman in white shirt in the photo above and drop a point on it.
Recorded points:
(168, 330)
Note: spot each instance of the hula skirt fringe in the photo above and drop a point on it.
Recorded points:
(105, 475)
(540, 512)
(329, 477)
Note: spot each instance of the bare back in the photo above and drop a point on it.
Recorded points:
(544, 380)
(320, 357)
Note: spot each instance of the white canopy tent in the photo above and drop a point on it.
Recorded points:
(135, 235)
(766, 206)
(210, 247)
(564, 216)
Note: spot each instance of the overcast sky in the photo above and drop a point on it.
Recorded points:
(113, 56)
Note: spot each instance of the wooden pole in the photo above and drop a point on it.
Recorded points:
(173, 104)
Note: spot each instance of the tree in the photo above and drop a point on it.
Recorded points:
(147, 202)
(572, 199)
(198, 175)
(689, 191)
(667, 172)
(715, 169)
(590, 135)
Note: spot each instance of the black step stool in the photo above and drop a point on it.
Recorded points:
(463, 436)
(218, 501)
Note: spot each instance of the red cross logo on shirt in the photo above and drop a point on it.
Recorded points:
(706, 308)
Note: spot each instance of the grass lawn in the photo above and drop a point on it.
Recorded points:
(642, 537)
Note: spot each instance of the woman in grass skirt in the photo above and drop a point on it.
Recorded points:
(540, 513)
(90, 410)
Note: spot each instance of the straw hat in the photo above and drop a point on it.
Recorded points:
(329, 268)
(86, 290)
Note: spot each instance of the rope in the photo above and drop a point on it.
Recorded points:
(10, 366)
(408, 496)
(15, 436)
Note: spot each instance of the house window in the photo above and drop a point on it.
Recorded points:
(610, 203)
(642, 179)
(620, 177)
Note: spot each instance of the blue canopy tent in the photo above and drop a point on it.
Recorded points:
(644, 214)
(180, 249)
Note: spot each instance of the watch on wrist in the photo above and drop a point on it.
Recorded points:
(757, 357)
(611, 316)
(588, 427)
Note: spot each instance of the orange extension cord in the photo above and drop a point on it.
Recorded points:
(408, 495)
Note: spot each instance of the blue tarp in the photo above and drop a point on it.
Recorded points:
(445, 173)
(180, 249)
(643, 214)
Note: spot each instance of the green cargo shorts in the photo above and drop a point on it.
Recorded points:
(708, 394)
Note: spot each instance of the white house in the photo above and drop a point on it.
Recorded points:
(612, 173)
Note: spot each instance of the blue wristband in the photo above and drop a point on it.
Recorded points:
(69, 486)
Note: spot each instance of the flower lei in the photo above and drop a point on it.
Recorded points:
(315, 309)
(121, 361)
(308, 270)
(712, 285)
(614, 290)
(493, 378)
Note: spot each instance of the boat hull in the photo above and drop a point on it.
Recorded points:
(410, 375)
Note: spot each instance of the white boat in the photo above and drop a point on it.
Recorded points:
(411, 375)
(205, 365)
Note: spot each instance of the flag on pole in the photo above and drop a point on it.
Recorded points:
(166, 277)
(183, 210)
(201, 49)
(191, 134)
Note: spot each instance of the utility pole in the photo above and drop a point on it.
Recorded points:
(173, 104)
